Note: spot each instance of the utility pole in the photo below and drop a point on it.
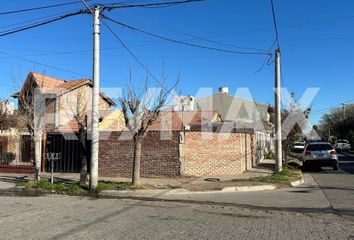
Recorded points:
(343, 104)
(278, 138)
(95, 100)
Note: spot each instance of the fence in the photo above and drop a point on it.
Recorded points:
(69, 148)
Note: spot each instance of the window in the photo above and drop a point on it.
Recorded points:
(319, 147)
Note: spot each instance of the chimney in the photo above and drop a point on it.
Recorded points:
(224, 90)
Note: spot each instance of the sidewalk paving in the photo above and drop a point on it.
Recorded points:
(215, 182)
(6, 185)
(307, 196)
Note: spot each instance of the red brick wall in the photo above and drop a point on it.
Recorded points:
(218, 154)
(159, 157)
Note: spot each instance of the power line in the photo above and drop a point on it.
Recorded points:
(42, 64)
(39, 18)
(193, 36)
(39, 8)
(183, 42)
(131, 53)
(267, 58)
(283, 26)
(277, 39)
(147, 5)
(46, 65)
(124, 45)
(275, 24)
(41, 23)
(334, 106)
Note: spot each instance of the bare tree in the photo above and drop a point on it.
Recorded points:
(77, 109)
(141, 108)
(4, 116)
(28, 119)
(293, 133)
(30, 116)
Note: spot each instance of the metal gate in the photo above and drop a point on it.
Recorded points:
(69, 148)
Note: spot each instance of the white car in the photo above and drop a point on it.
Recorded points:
(342, 145)
(299, 147)
(321, 154)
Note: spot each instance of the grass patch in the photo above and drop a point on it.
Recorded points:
(20, 184)
(284, 177)
(112, 186)
(45, 185)
(61, 187)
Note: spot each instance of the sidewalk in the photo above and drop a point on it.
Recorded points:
(6, 185)
(204, 183)
(305, 197)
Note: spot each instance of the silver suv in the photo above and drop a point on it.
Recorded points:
(342, 145)
(321, 154)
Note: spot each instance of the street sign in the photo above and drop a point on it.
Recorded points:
(52, 156)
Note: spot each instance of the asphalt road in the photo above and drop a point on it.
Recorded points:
(338, 186)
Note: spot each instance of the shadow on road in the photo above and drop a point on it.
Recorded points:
(13, 179)
(346, 162)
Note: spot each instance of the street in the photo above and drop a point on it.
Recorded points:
(62, 217)
(322, 208)
(338, 186)
(177, 119)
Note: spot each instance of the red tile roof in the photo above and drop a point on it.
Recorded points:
(48, 84)
(55, 85)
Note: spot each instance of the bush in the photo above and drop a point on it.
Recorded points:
(7, 158)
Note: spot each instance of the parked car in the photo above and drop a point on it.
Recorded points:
(321, 154)
(298, 147)
(342, 145)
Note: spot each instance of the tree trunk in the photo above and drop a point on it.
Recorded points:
(136, 162)
(37, 158)
(82, 144)
(285, 155)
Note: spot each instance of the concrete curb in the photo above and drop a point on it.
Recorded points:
(249, 188)
(298, 182)
(149, 192)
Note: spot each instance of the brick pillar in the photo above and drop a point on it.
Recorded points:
(181, 153)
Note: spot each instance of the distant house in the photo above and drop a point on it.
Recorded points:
(9, 137)
(241, 114)
(7, 107)
(183, 103)
(65, 103)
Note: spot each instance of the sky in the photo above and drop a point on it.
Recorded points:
(315, 38)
